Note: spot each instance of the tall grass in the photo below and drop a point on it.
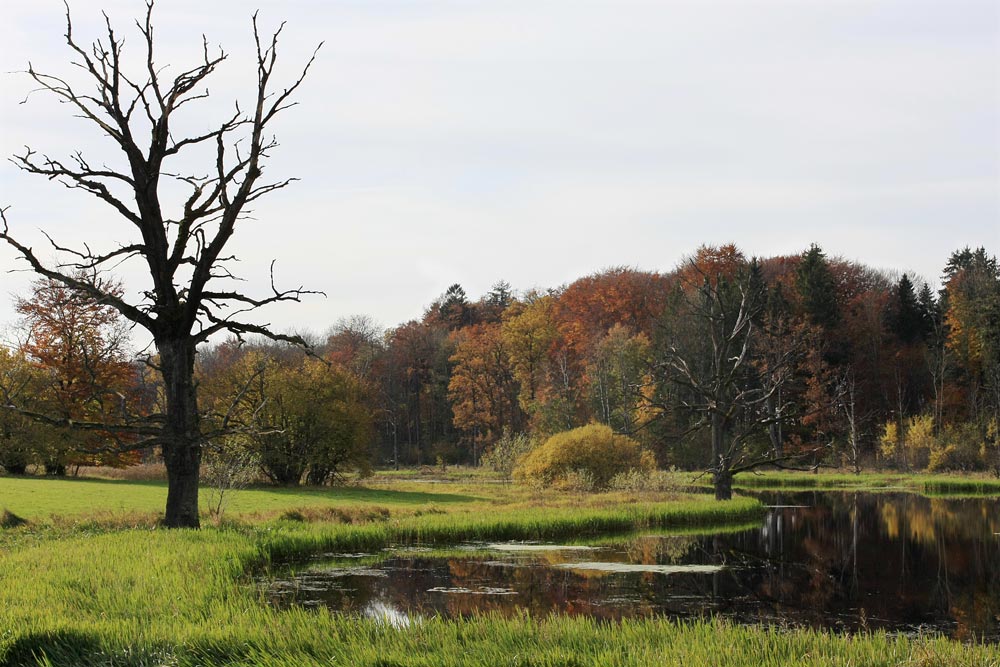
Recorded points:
(960, 485)
(87, 596)
(296, 638)
(939, 484)
(148, 596)
(296, 542)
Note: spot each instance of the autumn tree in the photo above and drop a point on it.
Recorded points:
(529, 331)
(21, 438)
(297, 415)
(355, 342)
(971, 314)
(190, 296)
(483, 390)
(616, 374)
(81, 349)
(414, 373)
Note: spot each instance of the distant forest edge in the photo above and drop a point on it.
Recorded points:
(802, 359)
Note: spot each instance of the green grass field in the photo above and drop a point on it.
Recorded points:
(40, 498)
(80, 590)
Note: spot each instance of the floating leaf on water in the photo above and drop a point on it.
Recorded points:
(638, 567)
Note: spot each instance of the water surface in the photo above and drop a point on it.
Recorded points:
(840, 560)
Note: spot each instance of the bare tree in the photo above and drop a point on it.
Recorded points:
(190, 297)
(708, 355)
(847, 402)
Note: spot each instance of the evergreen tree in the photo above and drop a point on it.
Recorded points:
(496, 301)
(930, 313)
(816, 286)
(454, 308)
(906, 318)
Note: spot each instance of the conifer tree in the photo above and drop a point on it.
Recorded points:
(906, 318)
(817, 288)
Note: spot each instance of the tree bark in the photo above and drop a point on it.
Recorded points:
(722, 477)
(723, 482)
(182, 433)
(774, 427)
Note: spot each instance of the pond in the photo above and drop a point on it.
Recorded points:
(841, 560)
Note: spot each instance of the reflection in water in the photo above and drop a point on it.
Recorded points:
(846, 561)
(385, 614)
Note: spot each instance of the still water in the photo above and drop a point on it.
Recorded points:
(840, 560)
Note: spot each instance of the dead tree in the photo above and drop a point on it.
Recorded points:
(190, 296)
(709, 342)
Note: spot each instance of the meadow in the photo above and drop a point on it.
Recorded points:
(91, 580)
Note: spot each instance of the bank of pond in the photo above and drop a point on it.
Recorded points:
(775, 577)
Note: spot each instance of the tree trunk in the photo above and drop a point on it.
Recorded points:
(722, 478)
(774, 427)
(182, 433)
(55, 469)
(723, 481)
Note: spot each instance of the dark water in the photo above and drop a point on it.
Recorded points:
(846, 561)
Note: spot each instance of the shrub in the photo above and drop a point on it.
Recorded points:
(921, 442)
(960, 447)
(578, 480)
(888, 442)
(643, 479)
(505, 453)
(594, 449)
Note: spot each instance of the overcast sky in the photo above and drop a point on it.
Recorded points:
(538, 141)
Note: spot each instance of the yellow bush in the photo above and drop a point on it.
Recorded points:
(921, 443)
(960, 447)
(593, 450)
(889, 440)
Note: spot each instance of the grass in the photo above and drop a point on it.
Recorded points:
(919, 483)
(37, 498)
(73, 592)
(318, 638)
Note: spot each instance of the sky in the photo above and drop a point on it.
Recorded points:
(538, 141)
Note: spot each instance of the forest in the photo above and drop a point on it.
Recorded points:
(727, 363)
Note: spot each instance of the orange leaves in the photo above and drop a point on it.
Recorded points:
(711, 263)
(78, 342)
(80, 347)
(590, 306)
(482, 389)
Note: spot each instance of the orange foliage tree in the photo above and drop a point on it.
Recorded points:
(81, 348)
(483, 390)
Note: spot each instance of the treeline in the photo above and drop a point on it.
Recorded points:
(727, 362)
